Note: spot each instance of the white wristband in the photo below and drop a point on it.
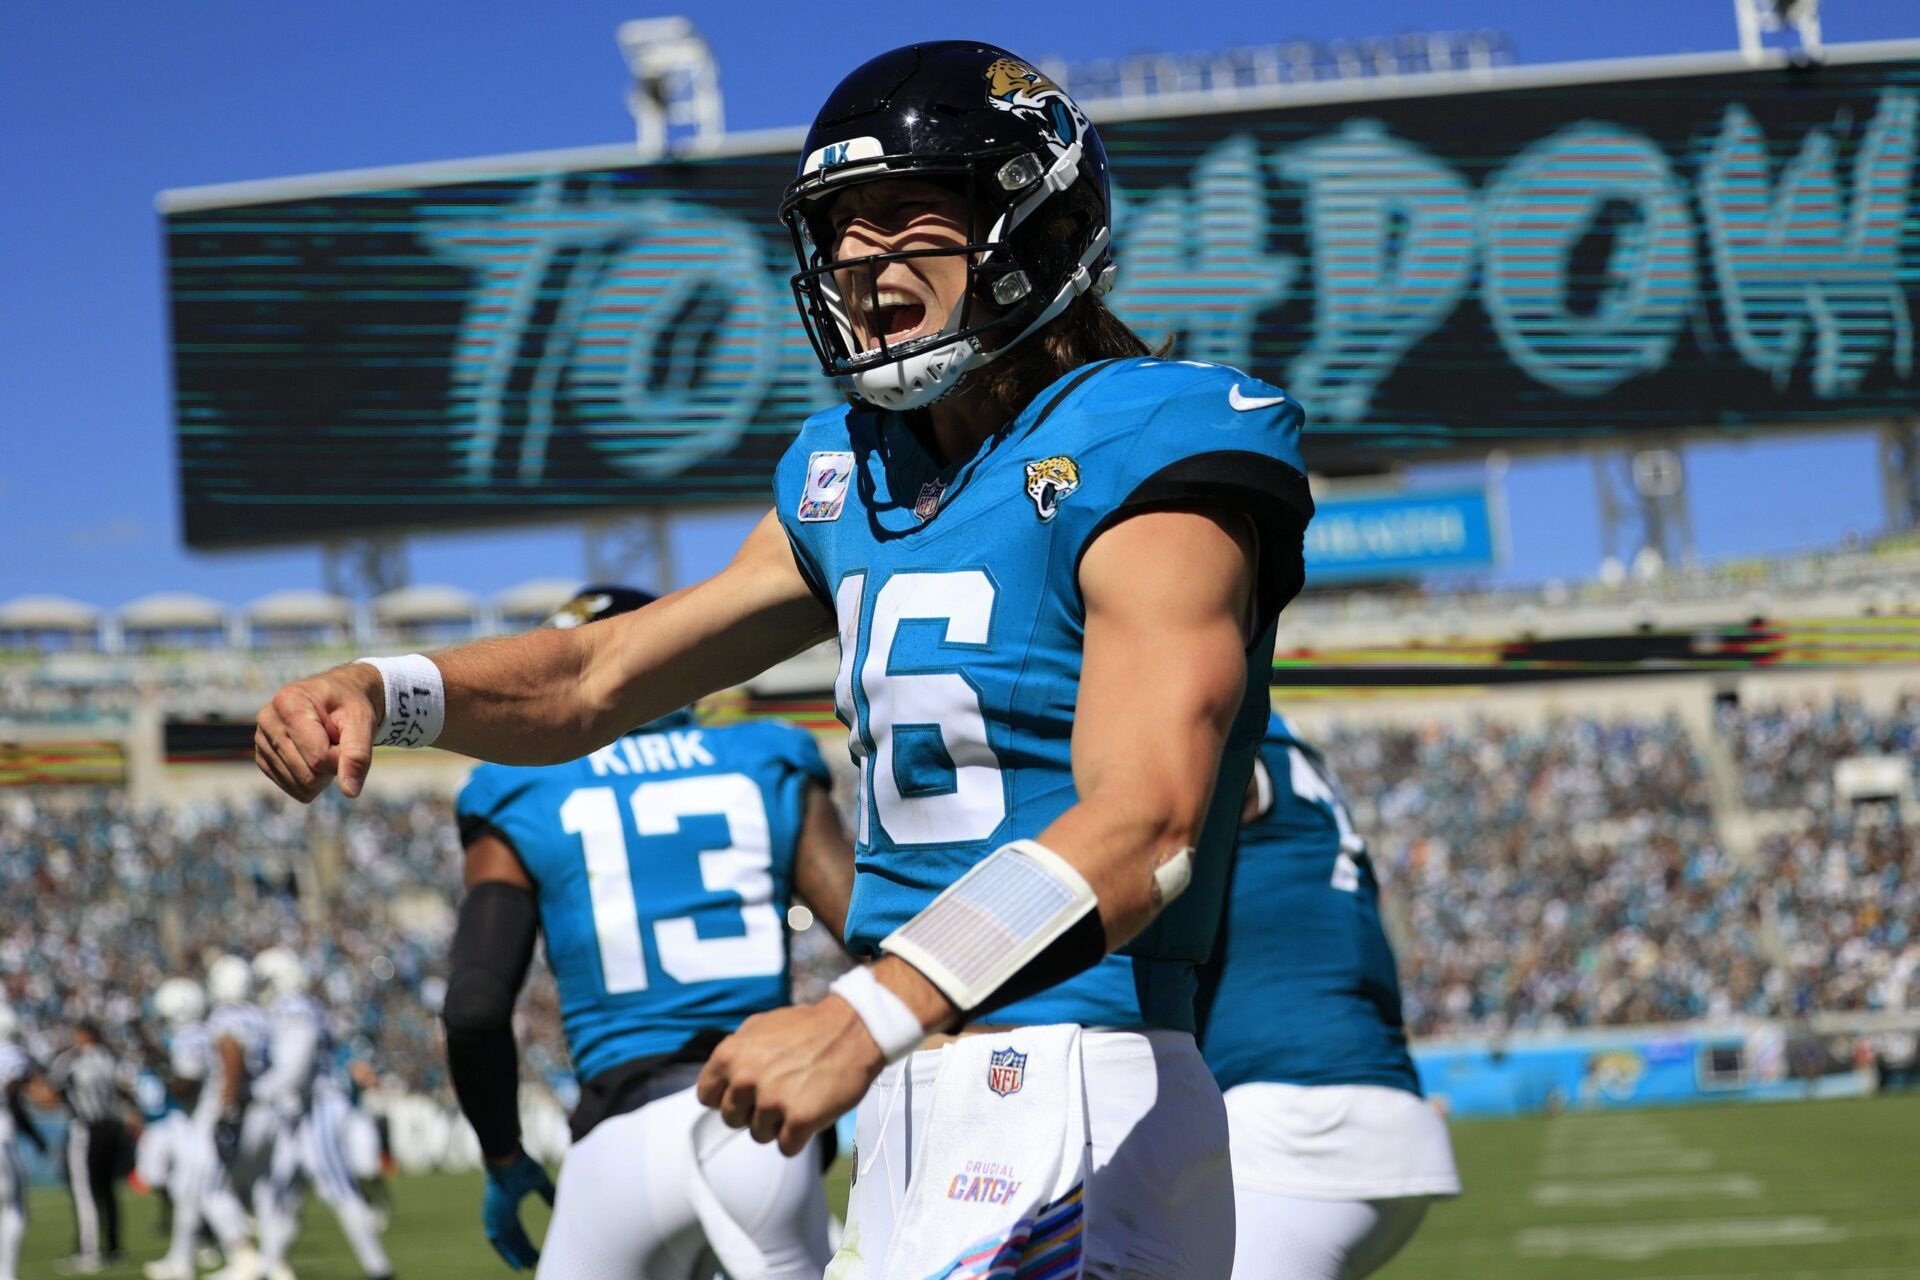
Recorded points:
(416, 701)
(889, 1021)
(994, 921)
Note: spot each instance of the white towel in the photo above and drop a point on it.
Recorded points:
(998, 1187)
(740, 1257)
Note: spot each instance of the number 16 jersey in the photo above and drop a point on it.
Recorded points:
(956, 590)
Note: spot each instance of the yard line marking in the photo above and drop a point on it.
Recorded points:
(1732, 1186)
(1684, 1160)
(1638, 1241)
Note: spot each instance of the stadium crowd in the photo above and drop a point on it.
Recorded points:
(1571, 875)
(1786, 751)
(100, 902)
(1562, 875)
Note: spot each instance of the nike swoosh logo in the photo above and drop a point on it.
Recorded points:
(1244, 403)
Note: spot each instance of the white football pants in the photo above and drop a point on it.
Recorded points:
(622, 1209)
(313, 1153)
(1160, 1193)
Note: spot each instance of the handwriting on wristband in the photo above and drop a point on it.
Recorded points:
(407, 726)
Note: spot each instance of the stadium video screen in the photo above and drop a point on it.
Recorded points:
(1431, 275)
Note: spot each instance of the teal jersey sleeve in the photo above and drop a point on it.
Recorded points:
(1176, 434)
(493, 799)
(798, 749)
(812, 485)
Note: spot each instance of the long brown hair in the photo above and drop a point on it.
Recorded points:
(1085, 332)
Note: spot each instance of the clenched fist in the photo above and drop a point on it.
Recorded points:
(321, 728)
(786, 1075)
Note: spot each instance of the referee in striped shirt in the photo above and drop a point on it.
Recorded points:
(99, 1147)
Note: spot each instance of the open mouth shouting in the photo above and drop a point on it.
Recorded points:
(891, 313)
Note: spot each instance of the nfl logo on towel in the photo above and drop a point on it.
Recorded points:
(1006, 1071)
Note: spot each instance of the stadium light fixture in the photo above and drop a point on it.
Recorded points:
(675, 94)
(1758, 19)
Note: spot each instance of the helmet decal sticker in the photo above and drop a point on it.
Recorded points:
(1014, 86)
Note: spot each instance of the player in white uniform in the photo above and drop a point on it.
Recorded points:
(15, 1069)
(245, 1132)
(311, 1117)
(196, 1179)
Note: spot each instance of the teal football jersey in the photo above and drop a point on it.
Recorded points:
(1302, 989)
(663, 867)
(957, 593)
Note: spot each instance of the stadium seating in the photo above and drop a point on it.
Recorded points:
(1572, 872)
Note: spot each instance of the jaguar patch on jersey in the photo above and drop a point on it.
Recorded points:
(828, 475)
(1050, 481)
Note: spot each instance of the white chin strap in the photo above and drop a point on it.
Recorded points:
(916, 381)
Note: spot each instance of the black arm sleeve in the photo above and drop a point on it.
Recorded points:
(492, 948)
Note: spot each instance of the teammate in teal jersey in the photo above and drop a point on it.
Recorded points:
(1054, 564)
(1335, 1154)
(658, 871)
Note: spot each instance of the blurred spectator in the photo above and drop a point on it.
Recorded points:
(1786, 752)
(1563, 875)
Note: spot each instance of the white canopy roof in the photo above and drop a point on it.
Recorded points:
(537, 596)
(47, 613)
(299, 608)
(173, 610)
(425, 604)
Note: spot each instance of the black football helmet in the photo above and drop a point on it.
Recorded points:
(982, 122)
(592, 604)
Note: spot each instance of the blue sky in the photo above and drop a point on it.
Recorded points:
(109, 103)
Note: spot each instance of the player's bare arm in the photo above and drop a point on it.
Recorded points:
(233, 1066)
(554, 695)
(1167, 592)
(823, 863)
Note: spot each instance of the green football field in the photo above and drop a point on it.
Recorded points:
(1811, 1190)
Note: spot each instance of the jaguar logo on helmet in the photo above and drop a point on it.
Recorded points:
(1015, 86)
(580, 611)
(1049, 483)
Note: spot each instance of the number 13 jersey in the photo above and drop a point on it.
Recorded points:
(663, 867)
(956, 590)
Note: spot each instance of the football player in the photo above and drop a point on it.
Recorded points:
(311, 1125)
(659, 871)
(197, 1179)
(16, 1069)
(1054, 564)
(1336, 1156)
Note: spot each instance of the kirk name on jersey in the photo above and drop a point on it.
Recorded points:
(663, 867)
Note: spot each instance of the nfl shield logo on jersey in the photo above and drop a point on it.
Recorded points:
(1006, 1071)
(928, 504)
